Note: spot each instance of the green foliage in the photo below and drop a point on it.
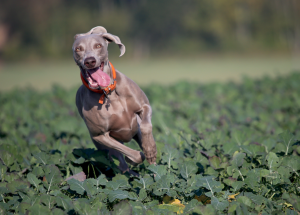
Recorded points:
(222, 149)
(170, 26)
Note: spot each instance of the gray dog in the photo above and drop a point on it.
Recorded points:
(113, 107)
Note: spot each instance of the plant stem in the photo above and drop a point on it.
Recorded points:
(241, 175)
(3, 198)
(94, 170)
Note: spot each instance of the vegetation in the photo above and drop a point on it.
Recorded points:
(37, 29)
(222, 149)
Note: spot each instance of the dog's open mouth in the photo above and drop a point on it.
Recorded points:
(96, 77)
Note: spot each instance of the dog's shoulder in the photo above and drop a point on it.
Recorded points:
(125, 83)
(128, 88)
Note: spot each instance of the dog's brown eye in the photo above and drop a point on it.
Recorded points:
(98, 46)
(77, 49)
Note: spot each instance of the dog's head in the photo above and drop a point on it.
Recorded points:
(91, 55)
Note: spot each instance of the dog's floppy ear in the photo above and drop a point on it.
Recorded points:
(112, 38)
(95, 30)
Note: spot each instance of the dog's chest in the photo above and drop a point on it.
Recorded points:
(113, 115)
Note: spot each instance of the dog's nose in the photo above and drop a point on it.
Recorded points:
(90, 62)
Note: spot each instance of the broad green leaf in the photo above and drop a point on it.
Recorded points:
(212, 172)
(17, 185)
(169, 155)
(3, 170)
(144, 182)
(237, 185)
(9, 177)
(142, 194)
(53, 176)
(89, 187)
(245, 200)
(33, 180)
(158, 170)
(41, 157)
(80, 160)
(48, 200)
(230, 147)
(293, 163)
(118, 184)
(6, 158)
(215, 162)
(256, 199)
(3, 190)
(269, 144)
(76, 186)
(162, 186)
(191, 206)
(38, 171)
(75, 169)
(82, 206)
(288, 140)
(232, 207)
(239, 137)
(117, 194)
(219, 205)
(229, 181)
(23, 207)
(285, 173)
(200, 158)
(97, 203)
(209, 183)
(252, 178)
(122, 208)
(253, 150)
(242, 208)
(15, 167)
(39, 209)
(137, 208)
(205, 210)
(57, 211)
(238, 159)
(187, 169)
(273, 161)
(101, 180)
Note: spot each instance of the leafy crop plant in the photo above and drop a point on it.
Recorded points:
(222, 149)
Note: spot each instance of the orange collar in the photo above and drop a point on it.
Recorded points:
(105, 91)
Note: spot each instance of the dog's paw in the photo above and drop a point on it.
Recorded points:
(135, 162)
(151, 157)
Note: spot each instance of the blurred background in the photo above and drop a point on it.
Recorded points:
(166, 41)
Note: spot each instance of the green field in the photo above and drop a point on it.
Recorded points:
(223, 148)
(42, 75)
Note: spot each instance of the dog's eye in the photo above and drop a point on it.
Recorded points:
(98, 46)
(77, 49)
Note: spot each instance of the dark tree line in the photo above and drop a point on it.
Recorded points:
(35, 28)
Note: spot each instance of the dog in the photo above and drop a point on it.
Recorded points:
(113, 107)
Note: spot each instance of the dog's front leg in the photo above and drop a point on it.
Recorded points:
(106, 140)
(147, 141)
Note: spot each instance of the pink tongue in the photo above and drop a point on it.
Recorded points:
(100, 77)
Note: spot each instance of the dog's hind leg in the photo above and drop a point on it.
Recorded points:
(109, 142)
(123, 167)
